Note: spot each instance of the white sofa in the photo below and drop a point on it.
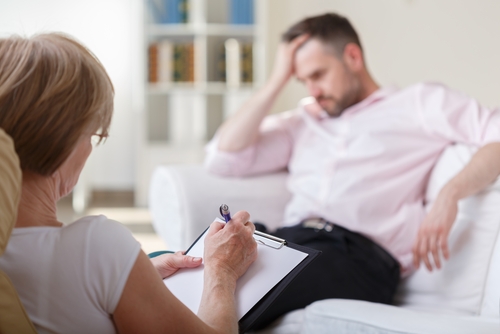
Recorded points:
(463, 297)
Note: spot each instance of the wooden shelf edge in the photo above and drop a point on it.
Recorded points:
(210, 29)
(211, 87)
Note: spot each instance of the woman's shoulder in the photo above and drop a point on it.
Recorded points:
(99, 230)
(100, 222)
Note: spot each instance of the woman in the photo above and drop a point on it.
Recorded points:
(91, 276)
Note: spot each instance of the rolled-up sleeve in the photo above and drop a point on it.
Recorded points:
(455, 117)
(271, 152)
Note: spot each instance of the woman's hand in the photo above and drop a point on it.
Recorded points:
(230, 248)
(168, 264)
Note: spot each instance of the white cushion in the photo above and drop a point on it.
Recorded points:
(184, 200)
(459, 287)
(490, 306)
(343, 316)
(165, 205)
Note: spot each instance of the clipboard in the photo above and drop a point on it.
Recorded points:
(278, 263)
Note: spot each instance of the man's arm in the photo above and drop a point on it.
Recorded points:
(482, 170)
(242, 130)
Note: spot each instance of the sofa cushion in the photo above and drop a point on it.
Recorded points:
(13, 317)
(185, 199)
(343, 316)
(490, 306)
(459, 287)
(10, 188)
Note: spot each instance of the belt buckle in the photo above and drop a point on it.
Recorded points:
(318, 224)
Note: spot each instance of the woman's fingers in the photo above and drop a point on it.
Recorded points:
(186, 261)
(179, 260)
(214, 228)
(241, 217)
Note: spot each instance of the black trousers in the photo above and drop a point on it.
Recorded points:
(351, 266)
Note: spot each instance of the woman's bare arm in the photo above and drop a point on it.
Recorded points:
(147, 306)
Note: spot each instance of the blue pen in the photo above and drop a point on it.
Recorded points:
(224, 211)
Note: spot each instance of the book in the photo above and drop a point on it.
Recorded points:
(233, 63)
(183, 62)
(239, 63)
(168, 61)
(220, 66)
(177, 63)
(183, 8)
(164, 61)
(156, 10)
(241, 12)
(153, 63)
(190, 62)
(246, 63)
(168, 11)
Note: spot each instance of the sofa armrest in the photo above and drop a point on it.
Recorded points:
(473, 259)
(184, 200)
(344, 316)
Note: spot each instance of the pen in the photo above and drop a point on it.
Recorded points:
(224, 211)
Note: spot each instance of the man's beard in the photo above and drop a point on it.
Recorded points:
(350, 98)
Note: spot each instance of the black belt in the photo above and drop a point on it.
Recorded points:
(320, 224)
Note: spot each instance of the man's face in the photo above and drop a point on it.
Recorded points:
(327, 78)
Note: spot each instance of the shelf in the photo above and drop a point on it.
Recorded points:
(211, 29)
(165, 88)
(165, 146)
(179, 117)
(230, 30)
(190, 87)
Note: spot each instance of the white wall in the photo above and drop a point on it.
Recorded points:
(456, 42)
(110, 29)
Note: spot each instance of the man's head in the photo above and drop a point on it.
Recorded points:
(330, 63)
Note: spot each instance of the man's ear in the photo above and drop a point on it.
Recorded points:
(353, 57)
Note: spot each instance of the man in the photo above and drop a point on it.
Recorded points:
(359, 158)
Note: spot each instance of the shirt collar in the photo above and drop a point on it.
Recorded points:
(309, 105)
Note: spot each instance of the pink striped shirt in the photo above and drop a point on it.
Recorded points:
(367, 169)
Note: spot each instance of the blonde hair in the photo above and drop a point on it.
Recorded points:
(53, 91)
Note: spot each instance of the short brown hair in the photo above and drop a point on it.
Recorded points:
(52, 92)
(331, 29)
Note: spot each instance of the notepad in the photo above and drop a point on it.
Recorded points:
(274, 262)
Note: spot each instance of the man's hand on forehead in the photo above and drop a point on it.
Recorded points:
(283, 66)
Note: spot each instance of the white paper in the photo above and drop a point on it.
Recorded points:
(270, 267)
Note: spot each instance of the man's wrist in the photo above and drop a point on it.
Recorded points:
(277, 82)
(453, 192)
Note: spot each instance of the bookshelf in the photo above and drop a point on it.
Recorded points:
(187, 58)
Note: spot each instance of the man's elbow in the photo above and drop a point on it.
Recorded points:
(220, 168)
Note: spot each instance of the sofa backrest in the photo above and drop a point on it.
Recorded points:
(184, 200)
(13, 317)
(464, 285)
(490, 306)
